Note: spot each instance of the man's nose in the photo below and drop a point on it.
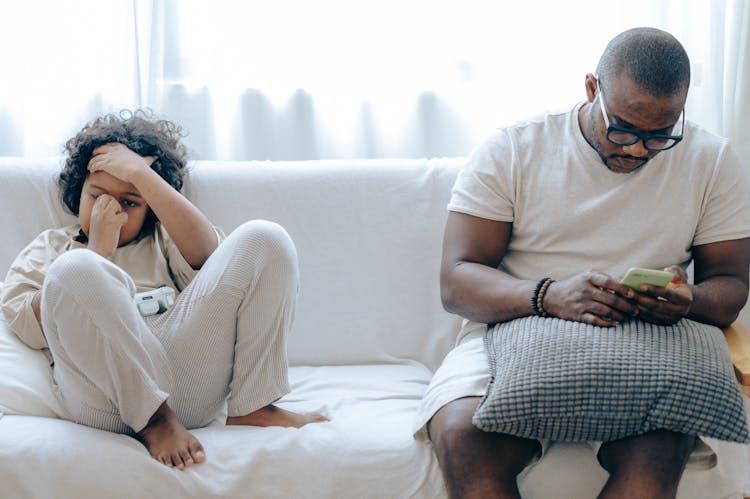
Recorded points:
(638, 149)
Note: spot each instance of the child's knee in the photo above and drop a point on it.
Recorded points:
(258, 250)
(84, 272)
(72, 266)
(266, 238)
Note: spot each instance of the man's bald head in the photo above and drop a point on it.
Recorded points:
(652, 58)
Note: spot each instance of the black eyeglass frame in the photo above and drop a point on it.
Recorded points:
(638, 136)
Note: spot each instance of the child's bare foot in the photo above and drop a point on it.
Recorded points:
(271, 415)
(169, 442)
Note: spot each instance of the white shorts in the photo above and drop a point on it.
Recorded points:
(465, 372)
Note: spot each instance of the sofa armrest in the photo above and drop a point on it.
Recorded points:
(738, 339)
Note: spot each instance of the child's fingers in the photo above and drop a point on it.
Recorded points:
(105, 148)
(97, 162)
(105, 201)
(121, 218)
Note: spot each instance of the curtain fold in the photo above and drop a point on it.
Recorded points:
(736, 108)
(63, 63)
(333, 79)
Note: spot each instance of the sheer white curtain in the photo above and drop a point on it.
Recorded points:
(289, 79)
(736, 80)
(61, 63)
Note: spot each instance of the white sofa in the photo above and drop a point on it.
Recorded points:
(369, 332)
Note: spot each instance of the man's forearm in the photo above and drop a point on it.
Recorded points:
(718, 300)
(483, 294)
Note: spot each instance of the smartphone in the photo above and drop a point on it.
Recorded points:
(636, 276)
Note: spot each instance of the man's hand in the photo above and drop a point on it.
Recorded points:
(119, 161)
(592, 297)
(666, 305)
(107, 218)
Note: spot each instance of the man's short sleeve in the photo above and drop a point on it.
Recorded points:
(486, 186)
(725, 214)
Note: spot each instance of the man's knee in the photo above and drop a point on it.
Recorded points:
(659, 453)
(452, 422)
(457, 439)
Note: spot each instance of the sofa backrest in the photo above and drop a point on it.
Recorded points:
(368, 235)
(30, 203)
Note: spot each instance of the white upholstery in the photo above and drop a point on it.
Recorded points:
(369, 331)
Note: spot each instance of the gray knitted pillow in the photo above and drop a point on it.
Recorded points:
(563, 380)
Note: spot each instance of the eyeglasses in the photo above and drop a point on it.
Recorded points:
(627, 137)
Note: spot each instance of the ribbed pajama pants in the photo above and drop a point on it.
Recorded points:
(224, 338)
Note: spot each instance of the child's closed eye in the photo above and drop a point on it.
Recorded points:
(126, 203)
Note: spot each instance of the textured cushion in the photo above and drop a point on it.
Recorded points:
(569, 381)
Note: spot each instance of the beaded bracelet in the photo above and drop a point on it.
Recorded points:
(537, 299)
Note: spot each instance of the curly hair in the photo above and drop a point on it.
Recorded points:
(141, 133)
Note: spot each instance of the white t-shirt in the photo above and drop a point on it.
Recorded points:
(571, 214)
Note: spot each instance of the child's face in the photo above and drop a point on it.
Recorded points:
(130, 200)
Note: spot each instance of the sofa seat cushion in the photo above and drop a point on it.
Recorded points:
(365, 451)
(25, 378)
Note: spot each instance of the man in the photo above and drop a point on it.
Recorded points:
(620, 181)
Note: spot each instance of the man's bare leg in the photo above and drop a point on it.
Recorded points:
(169, 442)
(477, 464)
(646, 466)
(271, 415)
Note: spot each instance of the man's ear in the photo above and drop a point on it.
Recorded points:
(590, 87)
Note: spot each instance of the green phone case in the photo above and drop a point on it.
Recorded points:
(636, 276)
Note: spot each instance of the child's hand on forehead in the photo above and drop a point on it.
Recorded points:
(119, 161)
